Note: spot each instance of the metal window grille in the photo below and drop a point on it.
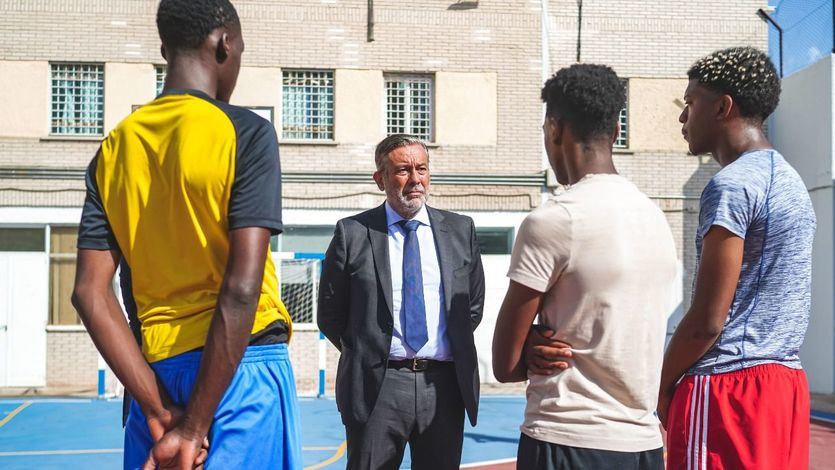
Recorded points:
(161, 71)
(622, 140)
(623, 137)
(77, 99)
(307, 102)
(409, 106)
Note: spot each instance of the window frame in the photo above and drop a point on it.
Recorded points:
(44, 244)
(408, 127)
(509, 231)
(54, 110)
(622, 139)
(160, 71)
(328, 135)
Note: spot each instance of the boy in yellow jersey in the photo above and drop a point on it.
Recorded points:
(185, 193)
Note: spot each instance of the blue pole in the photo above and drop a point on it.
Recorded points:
(102, 377)
(101, 383)
(322, 352)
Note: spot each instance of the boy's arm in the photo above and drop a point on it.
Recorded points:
(226, 342)
(716, 282)
(93, 298)
(99, 310)
(520, 306)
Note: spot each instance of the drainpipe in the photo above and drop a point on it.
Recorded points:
(545, 59)
(579, 27)
(370, 34)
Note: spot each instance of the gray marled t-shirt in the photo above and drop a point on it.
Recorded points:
(762, 199)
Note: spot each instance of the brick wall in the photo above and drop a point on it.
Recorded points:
(639, 39)
(71, 360)
(500, 37)
(656, 38)
(304, 353)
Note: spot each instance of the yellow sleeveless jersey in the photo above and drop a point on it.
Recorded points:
(165, 189)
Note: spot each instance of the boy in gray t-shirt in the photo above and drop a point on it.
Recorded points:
(761, 199)
(743, 401)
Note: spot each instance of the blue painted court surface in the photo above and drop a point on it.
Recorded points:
(84, 433)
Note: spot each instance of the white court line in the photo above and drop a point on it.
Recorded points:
(116, 451)
(60, 452)
(487, 462)
(36, 400)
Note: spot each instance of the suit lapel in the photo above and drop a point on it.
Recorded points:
(378, 236)
(440, 231)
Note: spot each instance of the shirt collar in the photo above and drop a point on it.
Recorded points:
(185, 91)
(392, 217)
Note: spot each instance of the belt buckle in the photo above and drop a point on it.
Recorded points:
(419, 365)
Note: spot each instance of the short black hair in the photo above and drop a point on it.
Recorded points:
(745, 74)
(184, 24)
(588, 96)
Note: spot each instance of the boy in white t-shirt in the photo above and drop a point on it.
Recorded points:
(597, 263)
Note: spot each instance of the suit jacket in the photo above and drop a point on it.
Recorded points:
(355, 298)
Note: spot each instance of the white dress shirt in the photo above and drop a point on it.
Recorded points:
(438, 346)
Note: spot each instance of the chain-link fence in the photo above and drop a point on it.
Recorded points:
(807, 33)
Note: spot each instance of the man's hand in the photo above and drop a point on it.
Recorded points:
(177, 450)
(544, 355)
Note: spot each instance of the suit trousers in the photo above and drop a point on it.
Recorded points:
(423, 409)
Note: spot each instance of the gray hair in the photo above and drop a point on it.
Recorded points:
(392, 142)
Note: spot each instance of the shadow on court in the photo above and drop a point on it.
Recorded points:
(78, 433)
(70, 433)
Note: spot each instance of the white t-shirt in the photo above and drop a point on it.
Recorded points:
(604, 257)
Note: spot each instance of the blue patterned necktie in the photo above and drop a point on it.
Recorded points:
(414, 307)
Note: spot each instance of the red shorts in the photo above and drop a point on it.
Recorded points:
(755, 418)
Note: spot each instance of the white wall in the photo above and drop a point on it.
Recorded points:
(802, 130)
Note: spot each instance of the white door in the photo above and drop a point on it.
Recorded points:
(24, 305)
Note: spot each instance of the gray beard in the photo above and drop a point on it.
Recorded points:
(412, 206)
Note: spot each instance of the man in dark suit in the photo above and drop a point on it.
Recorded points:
(402, 290)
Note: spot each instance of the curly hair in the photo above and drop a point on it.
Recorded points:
(588, 96)
(184, 24)
(745, 74)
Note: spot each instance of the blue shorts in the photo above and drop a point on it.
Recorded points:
(256, 424)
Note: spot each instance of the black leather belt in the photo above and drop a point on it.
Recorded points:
(418, 365)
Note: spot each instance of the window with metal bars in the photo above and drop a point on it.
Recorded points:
(307, 105)
(161, 71)
(409, 105)
(622, 141)
(77, 99)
